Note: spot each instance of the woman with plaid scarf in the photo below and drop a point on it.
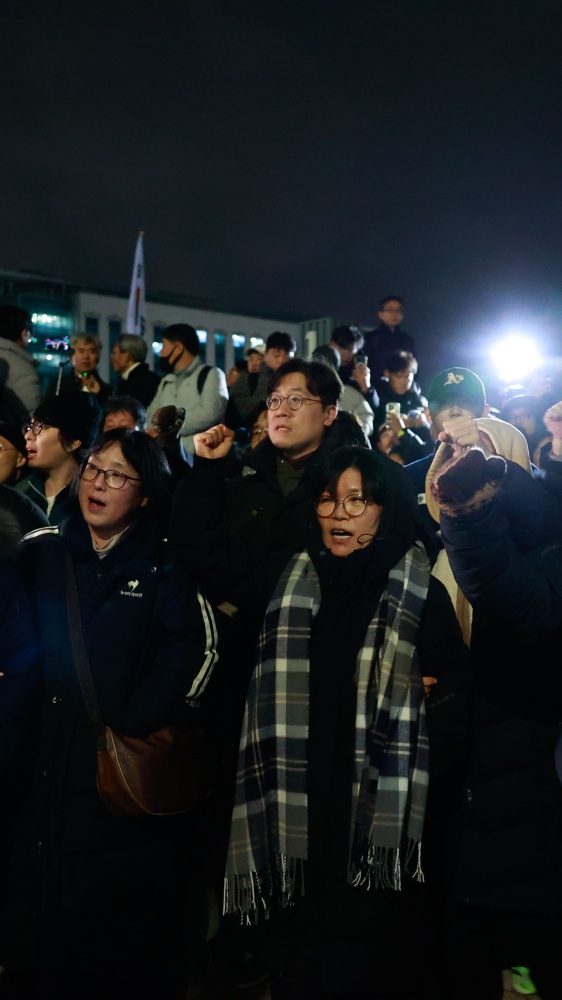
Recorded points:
(325, 852)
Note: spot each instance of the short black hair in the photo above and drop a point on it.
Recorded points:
(183, 333)
(13, 321)
(127, 404)
(390, 298)
(398, 361)
(348, 337)
(283, 341)
(77, 417)
(320, 378)
(257, 412)
(147, 459)
(368, 463)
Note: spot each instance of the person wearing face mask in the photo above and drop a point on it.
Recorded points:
(200, 389)
(324, 855)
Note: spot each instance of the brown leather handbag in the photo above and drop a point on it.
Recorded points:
(165, 774)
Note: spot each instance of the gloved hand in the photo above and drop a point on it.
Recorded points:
(468, 481)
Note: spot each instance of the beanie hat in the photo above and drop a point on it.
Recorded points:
(452, 385)
(76, 414)
(13, 434)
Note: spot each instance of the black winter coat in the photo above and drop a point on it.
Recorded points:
(511, 850)
(258, 514)
(141, 384)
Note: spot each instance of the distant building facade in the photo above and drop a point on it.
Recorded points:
(60, 308)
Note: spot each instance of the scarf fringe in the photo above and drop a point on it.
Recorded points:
(251, 896)
(375, 867)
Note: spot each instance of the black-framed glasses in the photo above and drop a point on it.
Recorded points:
(354, 506)
(294, 401)
(5, 447)
(115, 480)
(34, 427)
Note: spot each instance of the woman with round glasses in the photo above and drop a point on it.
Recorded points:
(329, 817)
(101, 896)
(56, 440)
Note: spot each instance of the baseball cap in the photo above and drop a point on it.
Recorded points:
(453, 385)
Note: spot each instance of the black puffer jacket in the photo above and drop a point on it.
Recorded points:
(511, 850)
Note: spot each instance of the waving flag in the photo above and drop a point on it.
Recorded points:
(136, 315)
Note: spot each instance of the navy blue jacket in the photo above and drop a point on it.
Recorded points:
(146, 640)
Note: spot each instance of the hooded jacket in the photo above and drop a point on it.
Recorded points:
(19, 382)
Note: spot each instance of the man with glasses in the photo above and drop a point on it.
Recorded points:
(387, 337)
(268, 508)
(20, 392)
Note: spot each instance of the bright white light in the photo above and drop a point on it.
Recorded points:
(156, 346)
(515, 357)
(257, 342)
(202, 336)
(49, 357)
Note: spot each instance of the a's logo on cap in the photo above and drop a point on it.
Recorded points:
(453, 379)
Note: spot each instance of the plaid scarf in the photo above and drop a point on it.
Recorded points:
(269, 831)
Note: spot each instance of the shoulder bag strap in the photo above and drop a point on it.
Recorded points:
(80, 655)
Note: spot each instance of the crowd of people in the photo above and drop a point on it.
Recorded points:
(352, 583)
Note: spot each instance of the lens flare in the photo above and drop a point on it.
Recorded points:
(515, 357)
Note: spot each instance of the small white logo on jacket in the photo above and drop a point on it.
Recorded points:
(133, 584)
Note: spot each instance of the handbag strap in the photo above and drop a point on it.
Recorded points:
(80, 655)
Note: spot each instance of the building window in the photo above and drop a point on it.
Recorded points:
(238, 343)
(114, 326)
(220, 358)
(91, 325)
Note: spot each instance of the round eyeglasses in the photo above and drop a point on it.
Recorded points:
(34, 427)
(353, 506)
(115, 480)
(294, 401)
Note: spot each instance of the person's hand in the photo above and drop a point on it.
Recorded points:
(232, 377)
(362, 375)
(167, 423)
(417, 421)
(395, 424)
(91, 382)
(553, 423)
(214, 443)
(468, 481)
(461, 431)
(428, 683)
(553, 420)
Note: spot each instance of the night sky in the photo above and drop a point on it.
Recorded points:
(295, 157)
